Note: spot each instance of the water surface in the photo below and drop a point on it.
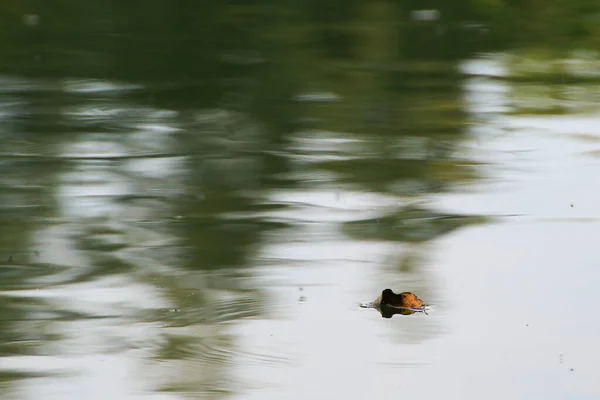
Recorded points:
(199, 214)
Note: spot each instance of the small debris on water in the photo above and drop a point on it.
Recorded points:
(571, 205)
(31, 19)
(571, 370)
(301, 288)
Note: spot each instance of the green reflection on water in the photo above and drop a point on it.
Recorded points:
(94, 96)
(410, 224)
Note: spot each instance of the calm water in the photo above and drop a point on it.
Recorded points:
(195, 202)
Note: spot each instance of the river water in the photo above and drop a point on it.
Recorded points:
(161, 247)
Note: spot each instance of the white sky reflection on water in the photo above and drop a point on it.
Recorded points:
(512, 300)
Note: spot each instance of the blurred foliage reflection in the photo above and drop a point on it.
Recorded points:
(143, 143)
